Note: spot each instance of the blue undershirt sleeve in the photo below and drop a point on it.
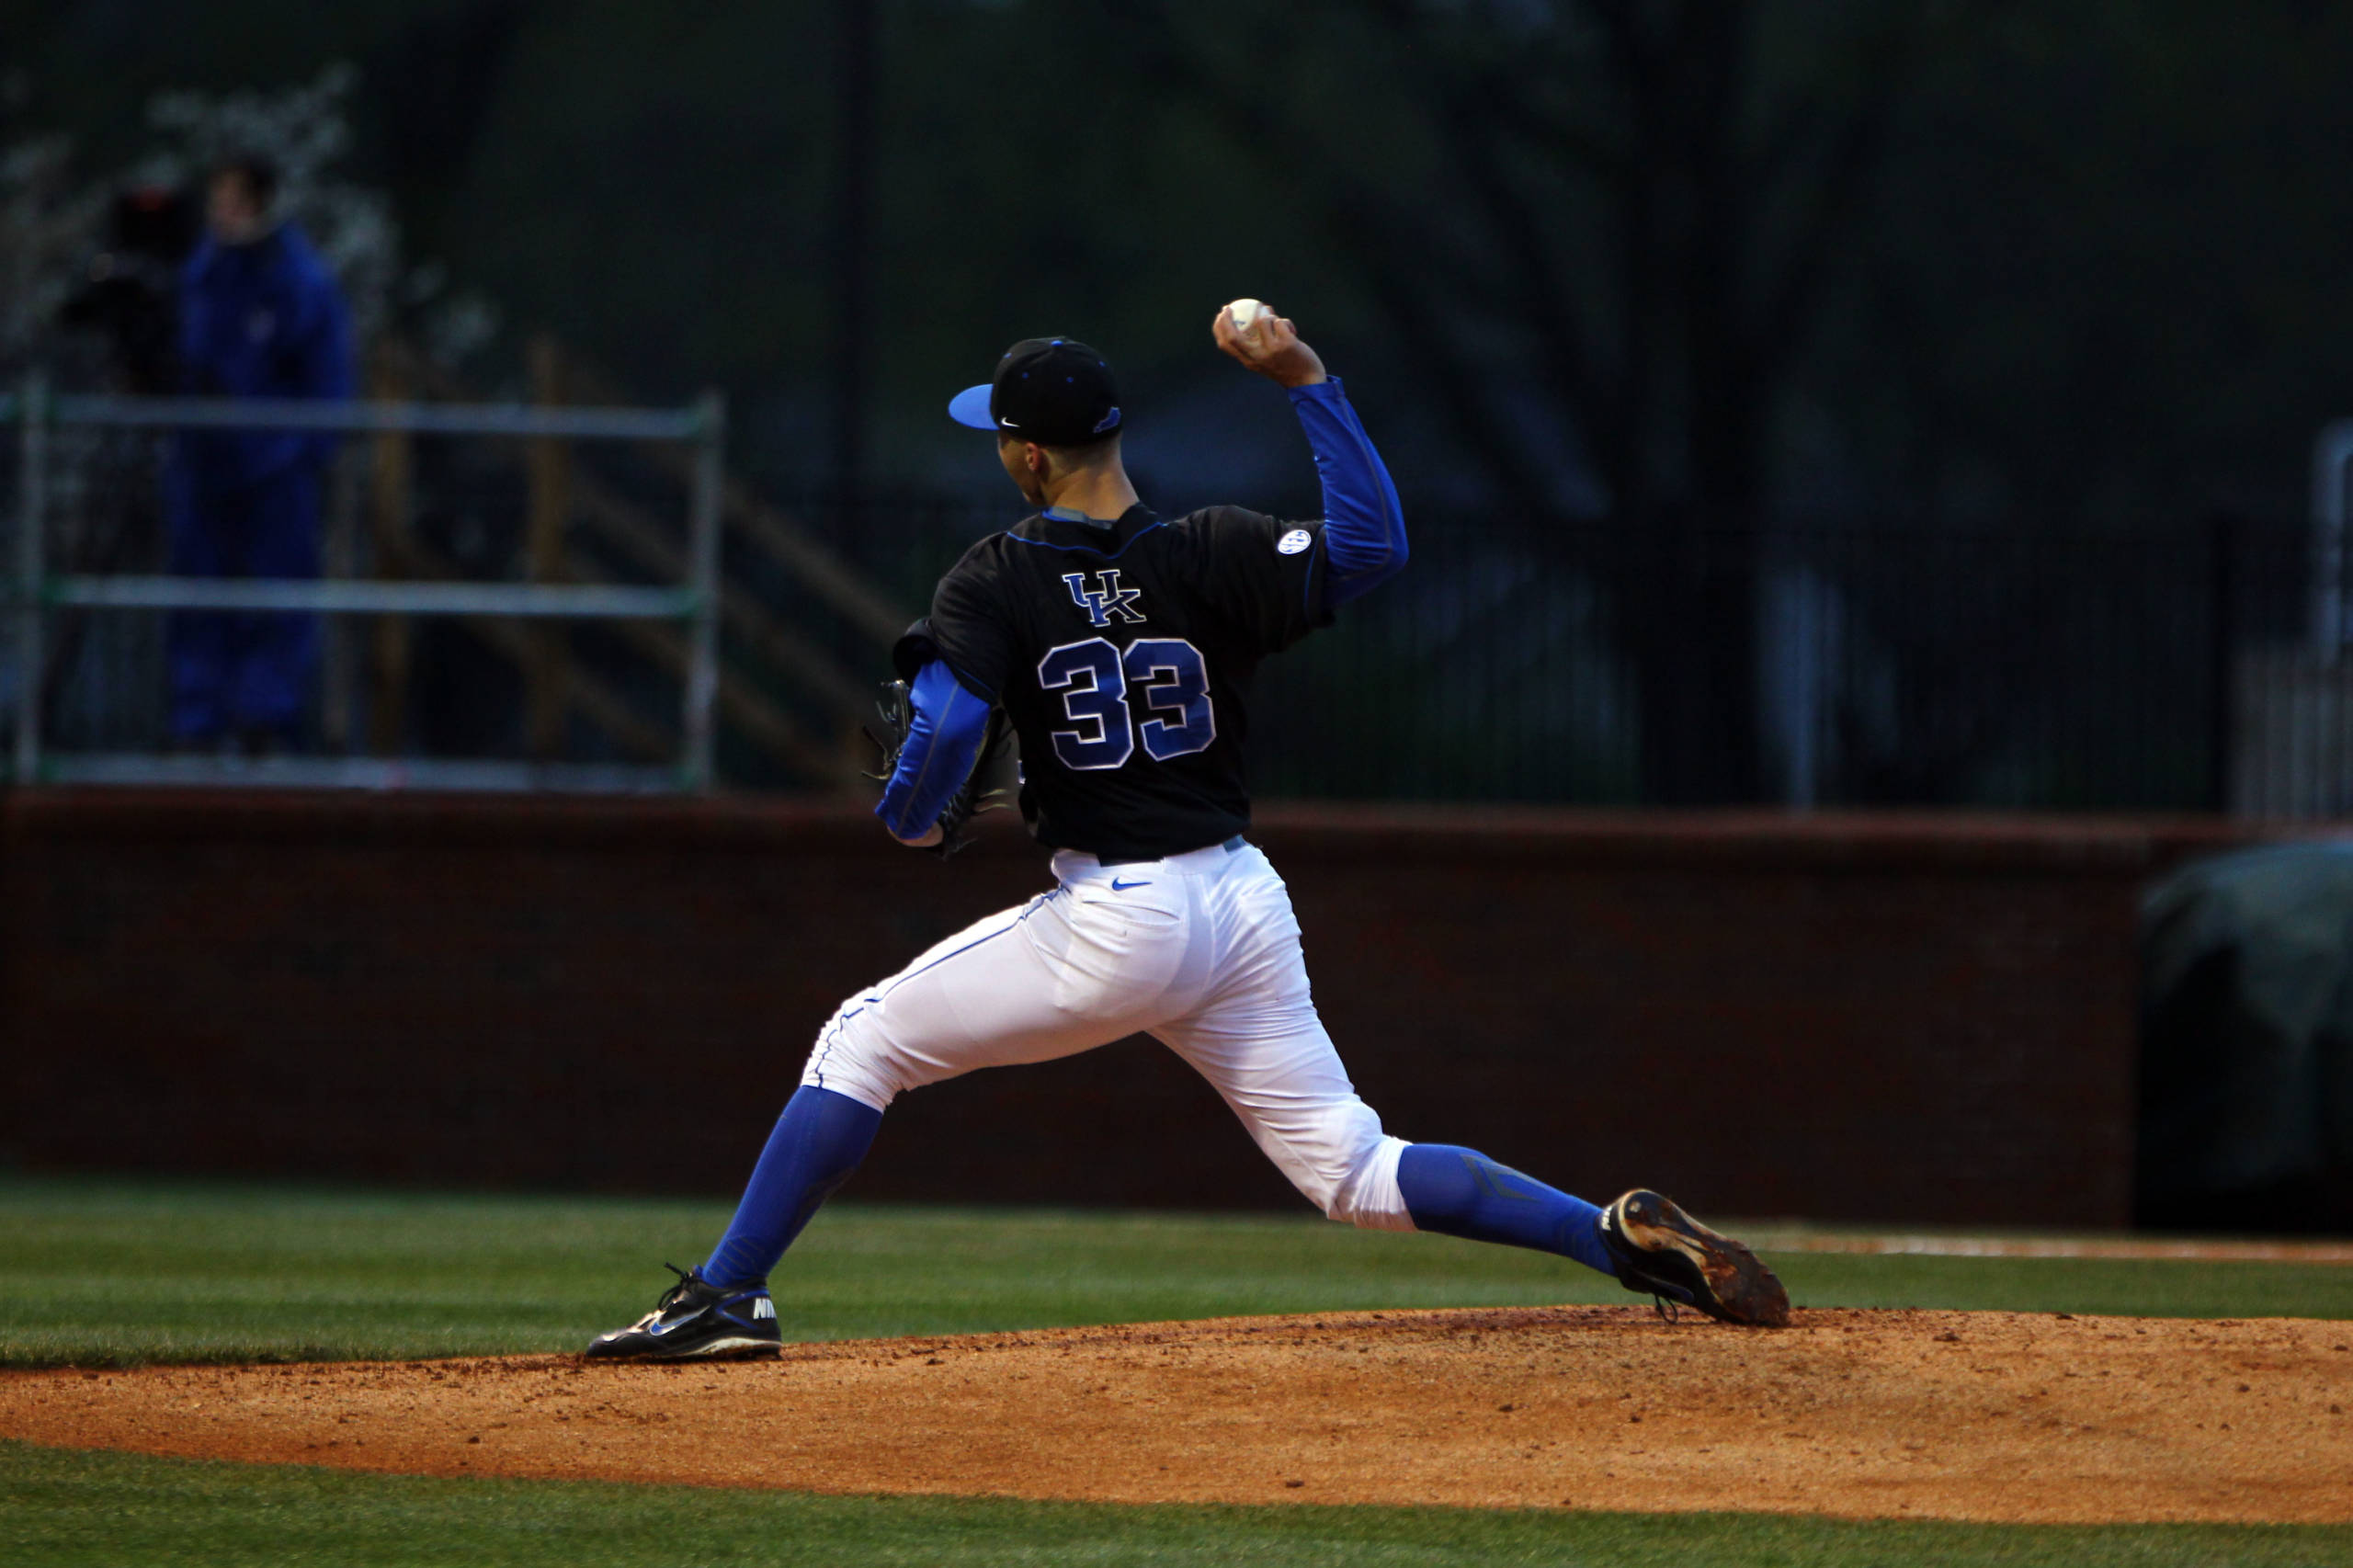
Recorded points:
(1364, 527)
(950, 725)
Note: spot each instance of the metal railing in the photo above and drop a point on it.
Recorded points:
(32, 594)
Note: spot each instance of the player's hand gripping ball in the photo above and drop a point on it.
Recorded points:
(1251, 332)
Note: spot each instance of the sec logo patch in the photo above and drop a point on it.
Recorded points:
(1294, 541)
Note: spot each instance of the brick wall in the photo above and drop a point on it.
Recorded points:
(1918, 1019)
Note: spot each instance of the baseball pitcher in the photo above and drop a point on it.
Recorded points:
(1118, 647)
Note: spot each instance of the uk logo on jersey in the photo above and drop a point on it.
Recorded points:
(1105, 600)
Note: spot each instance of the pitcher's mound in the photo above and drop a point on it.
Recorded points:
(1976, 1415)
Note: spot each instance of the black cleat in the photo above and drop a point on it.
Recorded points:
(697, 1321)
(1663, 1253)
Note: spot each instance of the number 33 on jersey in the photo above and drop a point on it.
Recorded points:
(1164, 677)
(1121, 651)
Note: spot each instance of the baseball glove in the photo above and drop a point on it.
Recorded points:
(973, 797)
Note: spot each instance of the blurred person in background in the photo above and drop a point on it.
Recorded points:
(260, 317)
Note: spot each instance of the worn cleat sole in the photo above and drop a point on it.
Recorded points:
(1724, 1280)
(615, 1348)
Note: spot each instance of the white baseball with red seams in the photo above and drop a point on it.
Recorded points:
(1201, 951)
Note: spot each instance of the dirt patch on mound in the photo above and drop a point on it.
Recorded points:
(1972, 1415)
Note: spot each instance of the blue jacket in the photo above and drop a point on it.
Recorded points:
(264, 319)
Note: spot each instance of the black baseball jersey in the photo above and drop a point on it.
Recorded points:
(1120, 654)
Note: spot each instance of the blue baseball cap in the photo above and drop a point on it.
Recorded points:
(1054, 391)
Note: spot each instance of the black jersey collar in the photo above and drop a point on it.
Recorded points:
(1066, 532)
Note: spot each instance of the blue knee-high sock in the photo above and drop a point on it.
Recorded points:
(1460, 1192)
(818, 1141)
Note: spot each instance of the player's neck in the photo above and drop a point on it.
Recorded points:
(1102, 493)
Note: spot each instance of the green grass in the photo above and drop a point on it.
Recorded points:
(63, 1510)
(115, 1271)
(124, 1271)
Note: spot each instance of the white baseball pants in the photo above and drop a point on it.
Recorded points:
(1201, 951)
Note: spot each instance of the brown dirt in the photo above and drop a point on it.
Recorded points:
(1973, 1415)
